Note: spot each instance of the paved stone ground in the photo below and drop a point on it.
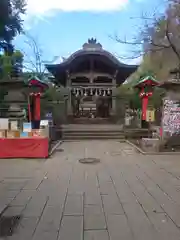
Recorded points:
(124, 197)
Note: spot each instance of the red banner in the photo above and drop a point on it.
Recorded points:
(24, 148)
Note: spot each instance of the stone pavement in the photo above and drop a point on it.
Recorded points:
(124, 197)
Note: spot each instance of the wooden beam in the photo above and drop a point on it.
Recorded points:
(89, 74)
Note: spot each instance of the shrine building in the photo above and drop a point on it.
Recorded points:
(91, 76)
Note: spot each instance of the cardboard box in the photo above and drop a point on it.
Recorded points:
(13, 134)
(2, 133)
(24, 135)
(27, 127)
(13, 125)
(30, 134)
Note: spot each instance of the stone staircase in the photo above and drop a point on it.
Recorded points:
(92, 131)
(91, 121)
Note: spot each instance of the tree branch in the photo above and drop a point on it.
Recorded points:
(29, 61)
(36, 52)
(170, 42)
(117, 39)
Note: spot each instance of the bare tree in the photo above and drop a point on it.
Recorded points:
(157, 42)
(34, 61)
(159, 33)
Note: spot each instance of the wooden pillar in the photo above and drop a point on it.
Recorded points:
(69, 103)
(114, 90)
(113, 110)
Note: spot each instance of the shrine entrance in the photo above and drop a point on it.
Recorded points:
(91, 106)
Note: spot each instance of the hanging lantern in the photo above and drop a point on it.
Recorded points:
(77, 92)
(91, 92)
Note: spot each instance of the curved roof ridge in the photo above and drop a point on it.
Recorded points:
(92, 47)
(95, 50)
(102, 52)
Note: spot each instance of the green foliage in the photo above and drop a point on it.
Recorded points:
(10, 62)
(18, 56)
(130, 94)
(10, 19)
(125, 89)
(53, 94)
(146, 68)
(156, 99)
(53, 101)
(10, 25)
(6, 65)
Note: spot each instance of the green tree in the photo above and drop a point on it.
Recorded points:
(54, 94)
(130, 95)
(11, 65)
(10, 21)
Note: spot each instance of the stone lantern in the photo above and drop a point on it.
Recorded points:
(15, 98)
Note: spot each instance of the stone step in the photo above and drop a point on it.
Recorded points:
(93, 133)
(104, 131)
(89, 126)
(93, 137)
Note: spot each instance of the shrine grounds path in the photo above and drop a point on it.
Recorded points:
(125, 196)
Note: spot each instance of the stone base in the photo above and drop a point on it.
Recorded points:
(150, 144)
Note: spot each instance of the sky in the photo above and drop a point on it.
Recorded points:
(61, 27)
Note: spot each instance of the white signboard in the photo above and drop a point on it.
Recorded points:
(4, 123)
(27, 127)
(44, 123)
(171, 117)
